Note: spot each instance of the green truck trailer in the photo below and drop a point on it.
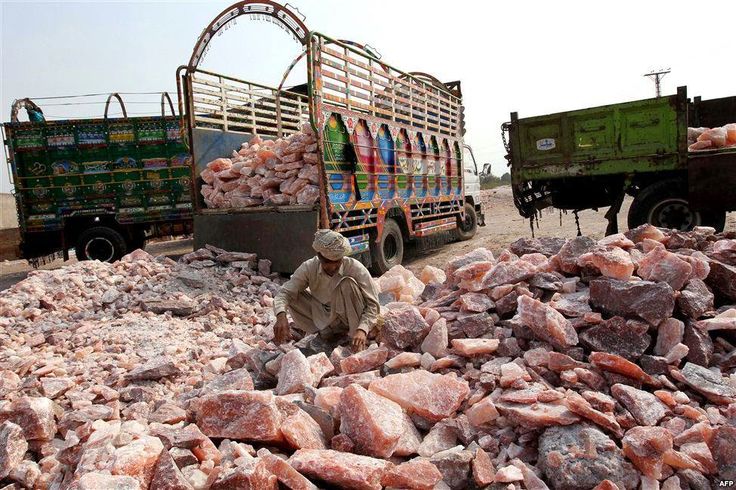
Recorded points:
(99, 186)
(592, 158)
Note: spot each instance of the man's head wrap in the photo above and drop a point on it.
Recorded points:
(331, 244)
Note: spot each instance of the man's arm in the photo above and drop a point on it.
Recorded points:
(291, 289)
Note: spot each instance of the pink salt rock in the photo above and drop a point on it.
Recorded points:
(404, 327)
(435, 342)
(482, 412)
(700, 264)
(328, 399)
(567, 257)
(483, 471)
(342, 443)
(295, 373)
(302, 432)
(644, 232)
(610, 261)
(700, 452)
(35, 415)
(429, 395)
(722, 321)
(320, 366)
(477, 255)
(617, 240)
(470, 277)
(96, 481)
(547, 323)
(417, 474)
(475, 347)
(167, 476)
(440, 438)
(509, 273)
(663, 266)
(648, 300)
(13, 447)
(410, 439)
(511, 373)
(249, 475)
(344, 470)
(362, 379)
(580, 406)
(432, 275)
(475, 302)
(509, 474)
(138, 459)
(404, 359)
(366, 360)
(617, 364)
(646, 408)
(538, 414)
(374, 423)
(286, 474)
(246, 415)
(669, 333)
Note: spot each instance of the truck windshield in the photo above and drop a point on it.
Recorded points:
(469, 160)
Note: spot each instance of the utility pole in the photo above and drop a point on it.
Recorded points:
(657, 76)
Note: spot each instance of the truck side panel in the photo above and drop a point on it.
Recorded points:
(632, 137)
(407, 138)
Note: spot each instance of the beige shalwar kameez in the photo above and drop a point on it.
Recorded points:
(327, 304)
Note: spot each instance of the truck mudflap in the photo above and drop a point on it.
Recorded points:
(712, 180)
(282, 235)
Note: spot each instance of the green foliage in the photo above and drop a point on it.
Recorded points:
(490, 181)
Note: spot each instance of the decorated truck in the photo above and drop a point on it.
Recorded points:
(592, 158)
(100, 186)
(391, 165)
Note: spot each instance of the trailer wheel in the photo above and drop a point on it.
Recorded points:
(664, 204)
(389, 251)
(466, 228)
(100, 243)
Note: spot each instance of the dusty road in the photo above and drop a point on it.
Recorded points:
(503, 226)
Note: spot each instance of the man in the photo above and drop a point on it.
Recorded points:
(341, 299)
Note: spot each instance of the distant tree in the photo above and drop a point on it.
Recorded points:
(506, 178)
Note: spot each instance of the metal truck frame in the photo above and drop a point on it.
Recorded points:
(592, 158)
(405, 130)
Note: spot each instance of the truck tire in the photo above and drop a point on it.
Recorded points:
(389, 250)
(100, 243)
(466, 228)
(664, 204)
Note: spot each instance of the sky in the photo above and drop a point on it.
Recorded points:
(528, 56)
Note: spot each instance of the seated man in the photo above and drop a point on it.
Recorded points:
(341, 298)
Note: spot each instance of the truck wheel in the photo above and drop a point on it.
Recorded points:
(664, 204)
(389, 251)
(466, 228)
(100, 243)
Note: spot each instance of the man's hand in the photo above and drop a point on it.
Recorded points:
(358, 343)
(281, 332)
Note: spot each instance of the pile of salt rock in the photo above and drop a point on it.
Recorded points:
(563, 364)
(700, 139)
(270, 172)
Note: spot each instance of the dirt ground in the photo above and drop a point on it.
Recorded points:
(503, 226)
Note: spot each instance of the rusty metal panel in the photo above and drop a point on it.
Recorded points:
(285, 238)
(712, 180)
(712, 113)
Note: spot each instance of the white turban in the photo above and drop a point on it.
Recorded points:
(331, 244)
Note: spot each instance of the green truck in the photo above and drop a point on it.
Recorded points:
(100, 186)
(592, 158)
